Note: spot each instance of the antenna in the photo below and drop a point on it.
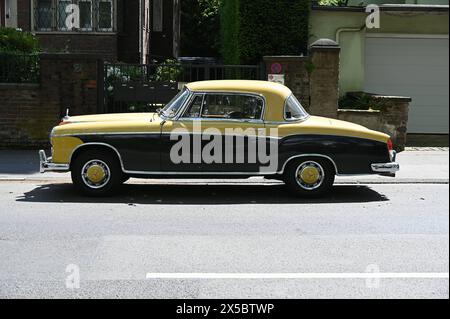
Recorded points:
(67, 114)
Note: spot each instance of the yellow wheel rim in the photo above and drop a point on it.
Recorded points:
(96, 174)
(310, 175)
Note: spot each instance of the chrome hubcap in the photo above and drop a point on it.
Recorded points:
(310, 175)
(95, 174)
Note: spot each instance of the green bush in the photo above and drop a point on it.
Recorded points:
(361, 101)
(252, 29)
(170, 71)
(16, 41)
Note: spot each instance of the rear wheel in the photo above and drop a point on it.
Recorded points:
(310, 177)
(97, 173)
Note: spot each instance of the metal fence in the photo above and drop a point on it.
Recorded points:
(145, 87)
(179, 72)
(19, 68)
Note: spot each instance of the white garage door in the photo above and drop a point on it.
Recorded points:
(414, 67)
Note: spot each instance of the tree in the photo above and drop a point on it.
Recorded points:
(200, 25)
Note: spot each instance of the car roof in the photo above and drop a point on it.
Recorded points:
(251, 86)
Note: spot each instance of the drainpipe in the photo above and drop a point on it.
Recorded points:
(341, 30)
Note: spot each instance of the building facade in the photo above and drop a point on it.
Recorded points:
(117, 30)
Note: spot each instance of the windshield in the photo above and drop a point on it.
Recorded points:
(174, 106)
(293, 110)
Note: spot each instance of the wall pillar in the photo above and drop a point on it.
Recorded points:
(324, 81)
(295, 71)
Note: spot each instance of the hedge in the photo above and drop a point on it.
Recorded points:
(252, 29)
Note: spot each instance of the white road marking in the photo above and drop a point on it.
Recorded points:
(430, 275)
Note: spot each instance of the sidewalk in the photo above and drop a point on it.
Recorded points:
(418, 165)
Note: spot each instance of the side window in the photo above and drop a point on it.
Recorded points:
(194, 109)
(233, 106)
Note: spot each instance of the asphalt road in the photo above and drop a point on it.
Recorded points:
(222, 228)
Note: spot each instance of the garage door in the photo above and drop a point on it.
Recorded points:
(414, 67)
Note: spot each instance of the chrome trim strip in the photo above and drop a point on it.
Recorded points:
(46, 165)
(199, 173)
(309, 155)
(107, 133)
(101, 144)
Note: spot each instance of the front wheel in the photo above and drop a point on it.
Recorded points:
(97, 173)
(310, 177)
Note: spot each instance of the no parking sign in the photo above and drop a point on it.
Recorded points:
(276, 68)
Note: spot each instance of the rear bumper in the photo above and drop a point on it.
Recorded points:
(46, 164)
(387, 169)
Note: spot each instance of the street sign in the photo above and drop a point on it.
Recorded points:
(276, 68)
(277, 78)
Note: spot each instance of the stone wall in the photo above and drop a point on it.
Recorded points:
(313, 79)
(392, 119)
(29, 111)
(297, 78)
(324, 78)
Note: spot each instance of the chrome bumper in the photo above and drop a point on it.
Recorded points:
(388, 169)
(46, 165)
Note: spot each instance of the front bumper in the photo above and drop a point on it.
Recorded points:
(46, 164)
(387, 169)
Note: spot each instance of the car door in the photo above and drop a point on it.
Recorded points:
(231, 124)
(179, 146)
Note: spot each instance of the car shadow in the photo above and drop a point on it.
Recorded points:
(218, 194)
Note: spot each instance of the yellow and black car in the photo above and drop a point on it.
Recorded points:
(217, 129)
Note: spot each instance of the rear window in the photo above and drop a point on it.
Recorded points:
(293, 110)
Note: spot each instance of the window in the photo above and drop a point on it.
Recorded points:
(195, 108)
(174, 106)
(74, 15)
(43, 15)
(233, 106)
(64, 10)
(293, 110)
(105, 12)
(85, 15)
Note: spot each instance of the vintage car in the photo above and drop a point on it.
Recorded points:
(217, 129)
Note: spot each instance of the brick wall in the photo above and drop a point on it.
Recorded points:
(104, 45)
(29, 111)
(23, 120)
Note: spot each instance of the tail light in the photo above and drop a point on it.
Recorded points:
(390, 145)
(64, 123)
